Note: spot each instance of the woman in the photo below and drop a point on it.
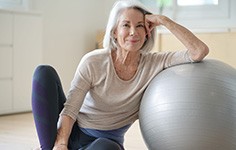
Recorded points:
(108, 84)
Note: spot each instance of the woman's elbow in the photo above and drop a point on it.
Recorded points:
(200, 54)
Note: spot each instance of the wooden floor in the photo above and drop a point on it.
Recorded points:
(17, 132)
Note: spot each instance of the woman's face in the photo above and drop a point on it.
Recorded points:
(130, 31)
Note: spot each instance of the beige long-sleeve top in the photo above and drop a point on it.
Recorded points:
(99, 99)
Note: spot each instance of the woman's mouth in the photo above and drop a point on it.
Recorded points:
(133, 40)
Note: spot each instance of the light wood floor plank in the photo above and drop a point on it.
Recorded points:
(17, 132)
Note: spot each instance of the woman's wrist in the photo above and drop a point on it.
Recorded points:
(165, 21)
(61, 144)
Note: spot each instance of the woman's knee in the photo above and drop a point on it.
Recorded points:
(104, 144)
(44, 70)
(46, 73)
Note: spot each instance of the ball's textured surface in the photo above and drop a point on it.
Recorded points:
(191, 107)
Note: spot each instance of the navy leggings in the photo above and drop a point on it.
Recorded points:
(47, 102)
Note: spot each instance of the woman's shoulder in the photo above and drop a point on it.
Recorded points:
(97, 55)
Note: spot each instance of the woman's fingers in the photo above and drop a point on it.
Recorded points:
(147, 29)
(150, 23)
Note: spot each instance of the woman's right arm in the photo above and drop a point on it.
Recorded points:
(80, 85)
(63, 132)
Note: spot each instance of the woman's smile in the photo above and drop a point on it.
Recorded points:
(133, 41)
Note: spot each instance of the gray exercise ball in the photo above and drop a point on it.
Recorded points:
(191, 107)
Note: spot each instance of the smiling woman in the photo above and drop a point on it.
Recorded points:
(130, 32)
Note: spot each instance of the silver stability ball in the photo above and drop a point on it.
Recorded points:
(191, 107)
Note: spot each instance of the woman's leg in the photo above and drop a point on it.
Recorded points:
(47, 102)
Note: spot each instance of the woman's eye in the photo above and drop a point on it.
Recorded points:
(125, 25)
(140, 25)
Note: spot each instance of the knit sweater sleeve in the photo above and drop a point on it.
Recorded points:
(168, 59)
(80, 85)
(176, 58)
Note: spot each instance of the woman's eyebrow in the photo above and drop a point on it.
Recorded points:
(125, 21)
(130, 21)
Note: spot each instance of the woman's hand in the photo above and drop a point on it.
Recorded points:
(151, 21)
(60, 147)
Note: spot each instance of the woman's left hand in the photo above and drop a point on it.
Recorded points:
(151, 21)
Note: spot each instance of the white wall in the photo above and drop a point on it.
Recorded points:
(69, 31)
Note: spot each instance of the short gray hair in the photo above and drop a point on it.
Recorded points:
(118, 7)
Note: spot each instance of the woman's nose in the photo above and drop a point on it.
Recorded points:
(132, 32)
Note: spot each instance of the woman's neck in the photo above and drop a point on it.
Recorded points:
(125, 63)
(127, 57)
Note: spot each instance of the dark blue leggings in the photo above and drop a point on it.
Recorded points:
(47, 102)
